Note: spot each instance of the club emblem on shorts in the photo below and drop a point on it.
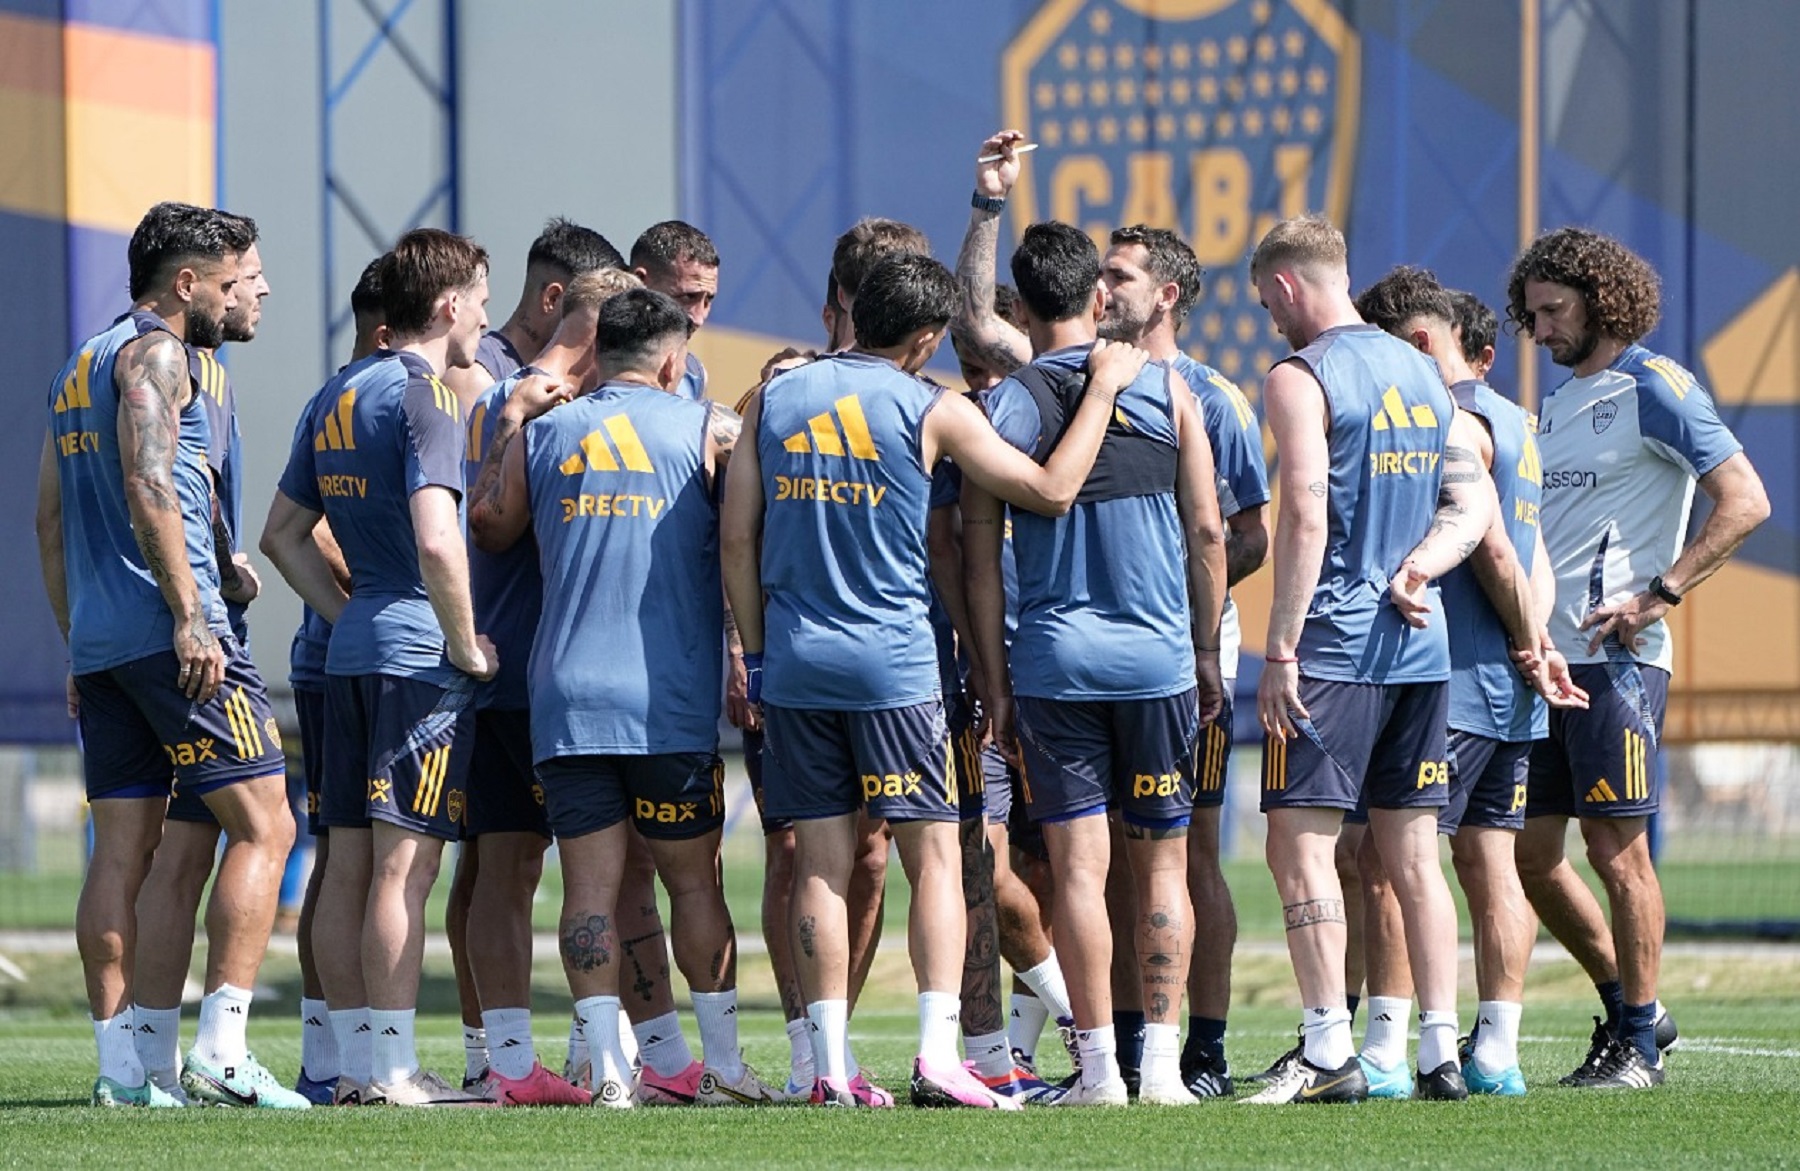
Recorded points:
(453, 806)
(1604, 414)
(537, 794)
(380, 790)
(1210, 117)
(274, 733)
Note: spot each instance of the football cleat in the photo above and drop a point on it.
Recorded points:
(953, 1085)
(1598, 1044)
(829, 1091)
(423, 1088)
(747, 1090)
(1395, 1083)
(318, 1093)
(349, 1092)
(1306, 1082)
(868, 1093)
(1165, 1092)
(1066, 1033)
(579, 1073)
(1281, 1067)
(247, 1085)
(1443, 1084)
(1022, 1084)
(1668, 1037)
(679, 1090)
(1107, 1093)
(613, 1094)
(1508, 1083)
(169, 1082)
(1207, 1077)
(1624, 1068)
(108, 1092)
(480, 1083)
(1021, 1061)
(540, 1087)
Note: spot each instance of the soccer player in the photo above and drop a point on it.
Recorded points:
(1115, 659)
(162, 690)
(834, 493)
(679, 260)
(1623, 442)
(1152, 280)
(1494, 717)
(1352, 695)
(380, 455)
(618, 489)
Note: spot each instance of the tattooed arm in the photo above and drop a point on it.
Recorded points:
(500, 507)
(152, 380)
(50, 537)
(979, 331)
(1298, 417)
(1467, 510)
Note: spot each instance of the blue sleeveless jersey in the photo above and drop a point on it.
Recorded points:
(225, 455)
(846, 496)
(497, 356)
(507, 589)
(693, 380)
(116, 611)
(1102, 592)
(375, 434)
(629, 656)
(1487, 696)
(1390, 416)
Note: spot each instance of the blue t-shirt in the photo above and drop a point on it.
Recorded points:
(116, 610)
(1390, 417)
(846, 497)
(497, 355)
(1103, 599)
(629, 656)
(376, 434)
(506, 588)
(1487, 696)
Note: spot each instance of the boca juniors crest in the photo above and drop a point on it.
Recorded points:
(1214, 118)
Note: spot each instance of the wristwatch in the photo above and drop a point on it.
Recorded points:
(1662, 591)
(987, 203)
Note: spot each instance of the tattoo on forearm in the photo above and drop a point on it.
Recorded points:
(975, 325)
(807, 931)
(733, 641)
(1312, 912)
(724, 425)
(1318, 489)
(586, 941)
(488, 492)
(155, 379)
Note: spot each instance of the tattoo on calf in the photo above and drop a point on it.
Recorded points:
(1312, 912)
(807, 932)
(586, 941)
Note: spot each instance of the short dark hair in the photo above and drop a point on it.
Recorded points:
(1405, 293)
(665, 245)
(634, 325)
(1475, 322)
(170, 235)
(1006, 305)
(869, 241)
(1170, 259)
(1622, 292)
(1056, 267)
(905, 292)
(240, 230)
(572, 249)
(365, 298)
(425, 264)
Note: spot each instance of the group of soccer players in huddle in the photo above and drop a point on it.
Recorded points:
(993, 630)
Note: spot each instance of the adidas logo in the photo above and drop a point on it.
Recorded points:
(390, 1031)
(1485, 1021)
(147, 1029)
(731, 1011)
(364, 1027)
(336, 434)
(652, 1039)
(1395, 415)
(597, 456)
(75, 393)
(1601, 792)
(511, 1043)
(235, 1009)
(822, 434)
(314, 1021)
(1383, 1017)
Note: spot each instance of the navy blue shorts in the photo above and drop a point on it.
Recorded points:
(670, 795)
(895, 763)
(971, 781)
(504, 794)
(1599, 762)
(1083, 757)
(753, 762)
(309, 709)
(397, 750)
(1487, 783)
(1372, 744)
(141, 737)
(997, 781)
(1212, 758)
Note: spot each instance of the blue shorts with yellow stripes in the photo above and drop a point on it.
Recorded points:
(1602, 762)
(672, 796)
(309, 710)
(753, 765)
(1087, 756)
(141, 737)
(895, 763)
(965, 745)
(1212, 758)
(1378, 745)
(1487, 783)
(397, 750)
(504, 794)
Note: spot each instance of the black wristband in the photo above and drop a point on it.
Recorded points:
(1662, 591)
(987, 203)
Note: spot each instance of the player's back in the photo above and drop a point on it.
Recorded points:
(1389, 420)
(116, 609)
(496, 354)
(843, 549)
(506, 588)
(628, 656)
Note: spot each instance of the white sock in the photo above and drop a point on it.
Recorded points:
(1047, 984)
(510, 1052)
(1327, 1037)
(475, 1052)
(156, 1032)
(1497, 1037)
(940, 1016)
(318, 1042)
(665, 1051)
(395, 1057)
(355, 1043)
(578, 1046)
(599, 1017)
(800, 1053)
(988, 1054)
(830, 1022)
(1099, 1050)
(852, 1067)
(224, 1017)
(1437, 1039)
(1384, 1040)
(628, 1042)
(1161, 1061)
(118, 1053)
(717, 1013)
(1026, 1024)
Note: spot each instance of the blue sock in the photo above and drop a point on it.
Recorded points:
(1128, 1028)
(1206, 1036)
(1612, 995)
(1351, 1002)
(1640, 1029)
